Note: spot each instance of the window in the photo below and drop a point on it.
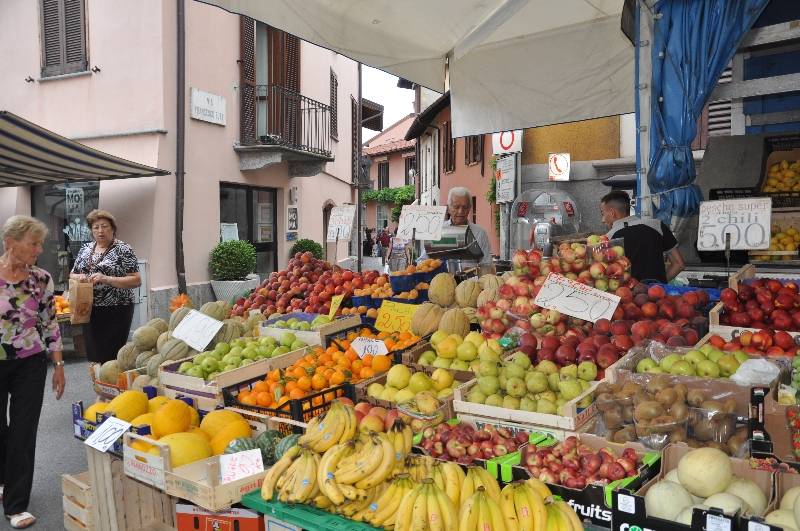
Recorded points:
(334, 105)
(474, 209)
(411, 164)
(63, 36)
(383, 175)
(382, 214)
(448, 148)
(473, 150)
(255, 214)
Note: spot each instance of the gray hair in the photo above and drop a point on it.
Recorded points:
(17, 227)
(458, 191)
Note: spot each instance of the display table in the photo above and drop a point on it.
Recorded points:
(72, 338)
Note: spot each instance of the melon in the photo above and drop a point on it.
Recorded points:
(705, 471)
(666, 499)
(173, 417)
(142, 358)
(197, 430)
(156, 402)
(140, 382)
(128, 405)
(454, 321)
(184, 448)
(782, 518)
(685, 516)
(163, 338)
(486, 295)
(109, 372)
(787, 502)
(177, 316)
(233, 430)
(140, 445)
(153, 364)
(467, 294)
(729, 503)
(471, 313)
(143, 419)
(213, 310)
(231, 329)
(195, 420)
(216, 420)
(126, 357)
(145, 337)
(159, 324)
(490, 281)
(442, 290)
(752, 495)
(426, 319)
(91, 412)
(174, 349)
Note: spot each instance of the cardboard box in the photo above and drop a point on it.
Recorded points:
(107, 390)
(728, 332)
(83, 428)
(777, 149)
(193, 518)
(310, 337)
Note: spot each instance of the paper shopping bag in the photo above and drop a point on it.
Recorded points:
(80, 301)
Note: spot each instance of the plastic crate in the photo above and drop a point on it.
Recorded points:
(303, 516)
(367, 323)
(402, 283)
(669, 289)
(300, 409)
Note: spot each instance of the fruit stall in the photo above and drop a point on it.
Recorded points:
(560, 394)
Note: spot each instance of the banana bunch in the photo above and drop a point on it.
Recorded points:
(448, 476)
(383, 512)
(426, 507)
(336, 425)
(476, 478)
(541, 487)
(481, 512)
(277, 470)
(293, 477)
(561, 517)
(523, 508)
(401, 436)
(419, 466)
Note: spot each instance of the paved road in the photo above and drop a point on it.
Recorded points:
(57, 450)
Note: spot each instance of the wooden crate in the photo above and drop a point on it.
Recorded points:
(411, 357)
(310, 337)
(750, 271)
(123, 504)
(728, 332)
(76, 492)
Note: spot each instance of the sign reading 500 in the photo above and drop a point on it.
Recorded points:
(739, 224)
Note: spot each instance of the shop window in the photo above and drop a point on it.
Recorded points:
(410, 164)
(383, 175)
(473, 150)
(63, 37)
(254, 211)
(63, 208)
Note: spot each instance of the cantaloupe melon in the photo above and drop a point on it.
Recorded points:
(128, 405)
(216, 420)
(467, 294)
(442, 290)
(426, 319)
(127, 356)
(159, 324)
(140, 382)
(177, 316)
(174, 349)
(163, 338)
(214, 310)
(173, 417)
(487, 295)
(490, 281)
(109, 372)
(454, 321)
(153, 363)
(145, 337)
(142, 358)
(184, 448)
(231, 431)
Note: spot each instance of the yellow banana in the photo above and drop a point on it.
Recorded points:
(331, 429)
(435, 520)
(389, 515)
(384, 469)
(555, 520)
(276, 471)
(468, 514)
(404, 510)
(569, 515)
(453, 479)
(398, 445)
(540, 487)
(381, 508)
(508, 507)
(408, 438)
(367, 463)
(308, 479)
(322, 502)
(484, 515)
(536, 504)
(437, 475)
(490, 483)
(352, 493)
(498, 524)
(328, 463)
(468, 488)
(419, 512)
(447, 508)
(352, 424)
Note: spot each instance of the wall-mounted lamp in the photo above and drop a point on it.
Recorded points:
(95, 69)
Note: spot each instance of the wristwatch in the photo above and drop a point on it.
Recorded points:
(59, 363)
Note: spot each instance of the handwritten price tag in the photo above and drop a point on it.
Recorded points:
(365, 345)
(428, 221)
(107, 434)
(240, 465)
(336, 301)
(395, 316)
(340, 223)
(576, 299)
(197, 330)
(748, 222)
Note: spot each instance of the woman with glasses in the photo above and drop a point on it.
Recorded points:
(111, 265)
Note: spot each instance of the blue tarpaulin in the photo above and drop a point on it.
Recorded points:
(693, 42)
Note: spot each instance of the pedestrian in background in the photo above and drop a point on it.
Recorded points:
(111, 265)
(29, 332)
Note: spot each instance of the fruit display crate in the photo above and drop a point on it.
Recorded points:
(109, 390)
(342, 334)
(677, 291)
(750, 271)
(302, 516)
(197, 482)
(76, 493)
(783, 483)
(730, 331)
(514, 427)
(207, 395)
(315, 336)
(572, 418)
(410, 358)
(83, 428)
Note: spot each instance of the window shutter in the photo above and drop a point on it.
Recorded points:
(292, 62)
(354, 147)
(51, 37)
(63, 32)
(247, 80)
(334, 105)
(74, 36)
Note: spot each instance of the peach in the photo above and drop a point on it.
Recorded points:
(371, 423)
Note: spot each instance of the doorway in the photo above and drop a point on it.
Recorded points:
(326, 216)
(254, 211)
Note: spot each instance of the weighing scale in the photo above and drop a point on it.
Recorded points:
(459, 248)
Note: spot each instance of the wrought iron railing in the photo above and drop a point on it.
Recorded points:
(286, 118)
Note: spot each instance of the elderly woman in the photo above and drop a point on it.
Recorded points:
(29, 332)
(110, 264)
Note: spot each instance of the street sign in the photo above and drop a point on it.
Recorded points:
(558, 166)
(507, 142)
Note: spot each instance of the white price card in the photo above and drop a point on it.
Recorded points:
(107, 434)
(746, 221)
(756, 526)
(364, 345)
(197, 330)
(717, 523)
(626, 503)
(576, 299)
(428, 221)
(240, 465)
(340, 223)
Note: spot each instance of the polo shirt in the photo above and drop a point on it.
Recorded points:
(645, 240)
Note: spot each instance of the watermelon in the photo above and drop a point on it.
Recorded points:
(284, 444)
(240, 445)
(267, 442)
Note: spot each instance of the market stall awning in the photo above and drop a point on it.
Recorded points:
(512, 63)
(31, 155)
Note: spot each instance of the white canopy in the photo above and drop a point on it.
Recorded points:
(513, 63)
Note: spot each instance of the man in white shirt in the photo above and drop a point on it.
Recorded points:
(459, 205)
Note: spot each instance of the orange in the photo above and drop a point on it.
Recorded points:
(367, 360)
(264, 399)
(318, 382)
(260, 387)
(304, 383)
(298, 372)
(316, 401)
(337, 378)
(296, 393)
(282, 403)
(291, 385)
(381, 363)
(274, 375)
(248, 400)
(344, 362)
(367, 372)
(351, 355)
(356, 366)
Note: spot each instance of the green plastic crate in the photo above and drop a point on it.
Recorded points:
(303, 516)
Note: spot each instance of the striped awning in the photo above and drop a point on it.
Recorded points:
(31, 155)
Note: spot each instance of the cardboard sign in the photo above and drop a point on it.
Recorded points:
(240, 465)
(558, 166)
(576, 299)
(364, 345)
(107, 434)
(197, 330)
(506, 176)
(336, 301)
(395, 316)
(746, 220)
(428, 221)
(340, 224)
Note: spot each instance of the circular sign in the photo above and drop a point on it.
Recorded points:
(506, 144)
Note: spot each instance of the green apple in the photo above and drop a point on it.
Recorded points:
(230, 367)
(521, 359)
(403, 395)
(196, 371)
(476, 396)
(398, 376)
(516, 387)
(488, 368)
(682, 368)
(552, 381)
(212, 375)
(389, 393)
(669, 360)
(656, 370)
(476, 338)
(547, 366)
(740, 355)
(297, 344)
(234, 351)
(249, 353)
(545, 406)
(694, 357)
(714, 355)
(536, 382)
(438, 336)
(222, 348)
(445, 393)
(488, 385)
(287, 339)
(374, 390)
(459, 365)
(494, 345)
(419, 382)
(568, 371)
(210, 365)
(246, 361)
(728, 364)
(485, 352)
(527, 404)
(185, 366)
(442, 362)
(587, 371)
(426, 358)
(441, 378)
(305, 325)
(279, 351)
(494, 400)
(510, 402)
(645, 364)
(231, 359)
(569, 389)
(513, 370)
(707, 369)
(707, 349)
(467, 351)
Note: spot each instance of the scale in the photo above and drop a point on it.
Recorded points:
(538, 216)
(458, 247)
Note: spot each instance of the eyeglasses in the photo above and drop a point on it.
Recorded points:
(101, 227)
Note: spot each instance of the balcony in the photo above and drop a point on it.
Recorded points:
(281, 125)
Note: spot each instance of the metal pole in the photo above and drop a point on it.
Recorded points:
(180, 142)
(644, 72)
(359, 221)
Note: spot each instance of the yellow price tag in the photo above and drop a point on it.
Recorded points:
(336, 301)
(395, 316)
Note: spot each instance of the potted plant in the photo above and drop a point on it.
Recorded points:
(231, 265)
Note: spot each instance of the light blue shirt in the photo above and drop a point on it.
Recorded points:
(483, 242)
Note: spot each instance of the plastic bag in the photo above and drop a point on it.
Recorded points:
(756, 372)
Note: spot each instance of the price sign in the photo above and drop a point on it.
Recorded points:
(576, 299)
(197, 330)
(240, 465)
(395, 316)
(428, 221)
(336, 301)
(717, 523)
(747, 221)
(340, 224)
(364, 345)
(107, 434)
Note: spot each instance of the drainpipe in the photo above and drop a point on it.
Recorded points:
(358, 177)
(180, 118)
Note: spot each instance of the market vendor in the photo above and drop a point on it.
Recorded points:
(459, 205)
(647, 241)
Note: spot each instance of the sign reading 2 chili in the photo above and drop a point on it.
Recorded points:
(745, 221)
